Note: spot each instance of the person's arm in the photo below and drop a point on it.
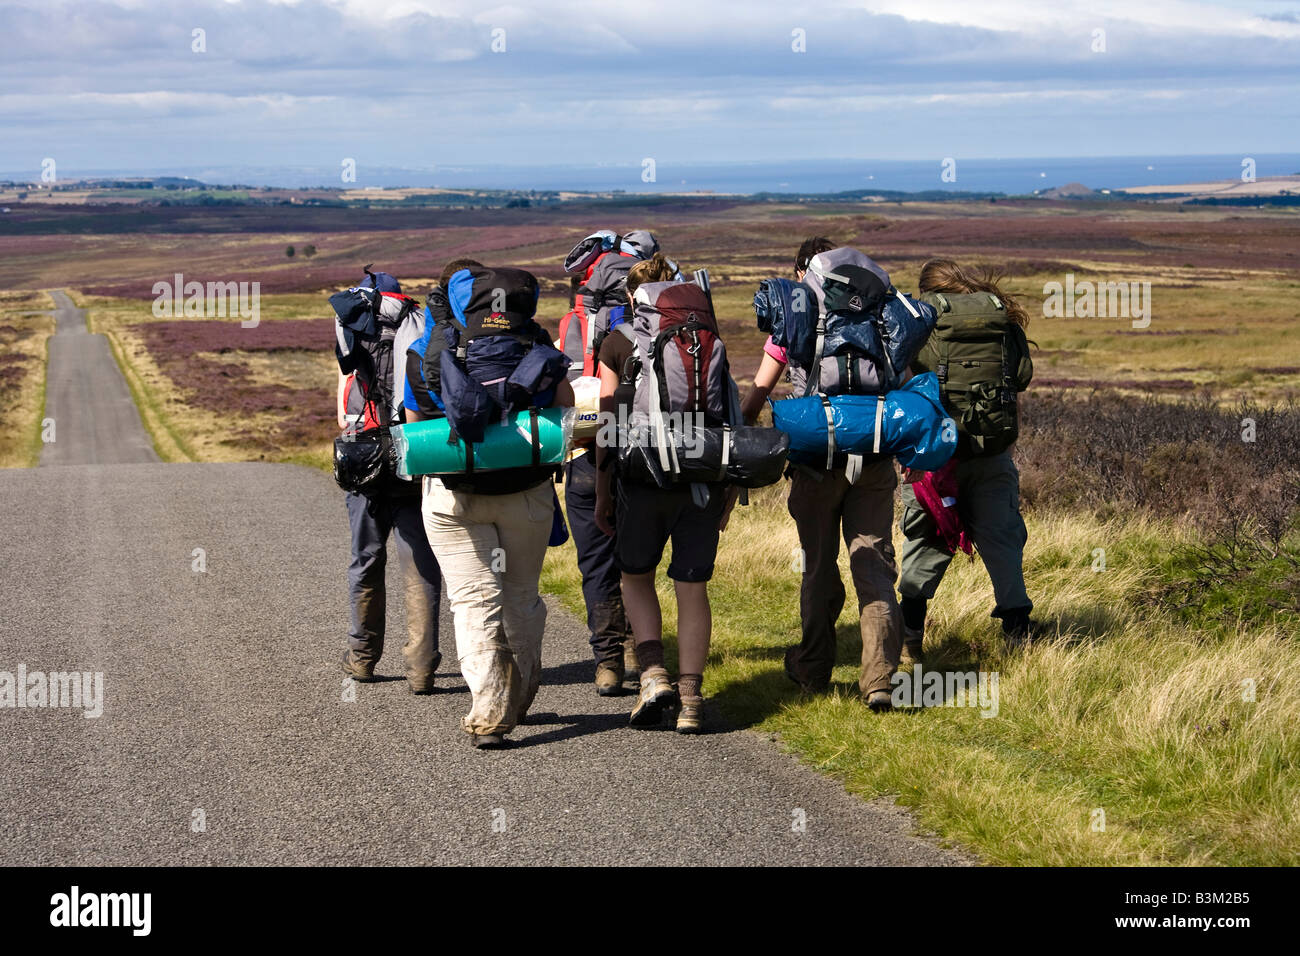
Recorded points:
(765, 379)
(563, 395)
(342, 403)
(604, 496)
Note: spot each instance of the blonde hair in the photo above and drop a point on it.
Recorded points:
(945, 275)
(655, 269)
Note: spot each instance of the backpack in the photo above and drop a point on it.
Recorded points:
(368, 321)
(358, 410)
(496, 359)
(846, 329)
(981, 358)
(603, 259)
(681, 373)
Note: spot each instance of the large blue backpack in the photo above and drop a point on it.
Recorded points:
(846, 329)
(494, 357)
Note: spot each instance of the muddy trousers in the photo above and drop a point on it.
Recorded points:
(988, 501)
(864, 514)
(372, 518)
(490, 549)
(601, 591)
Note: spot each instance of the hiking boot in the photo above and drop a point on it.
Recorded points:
(690, 715)
(609, 678)
(363, 672)
(422, 684)
(1018, 630)
(631, 666)
(656, 693)
(912, 640)
(487, 741)
(805, 686)
(879, 702)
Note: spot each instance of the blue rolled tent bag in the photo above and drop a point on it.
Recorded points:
(911, 423)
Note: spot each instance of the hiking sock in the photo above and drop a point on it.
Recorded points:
(690, 685)
(913, 612)
(650, 654)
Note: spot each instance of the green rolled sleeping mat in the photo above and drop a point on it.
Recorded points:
(531, 437)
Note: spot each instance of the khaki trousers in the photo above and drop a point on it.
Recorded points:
(864, 514)
(490, 549)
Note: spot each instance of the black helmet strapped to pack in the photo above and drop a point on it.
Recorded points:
(853, 290)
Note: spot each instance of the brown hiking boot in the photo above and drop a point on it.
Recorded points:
(879, 702)
(912, 641)
(609, 678)
(631, 666)
(690, 715)
(656, 693)
(363, 672)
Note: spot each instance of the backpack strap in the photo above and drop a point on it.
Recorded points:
(815, 373)
(853, 469)
(537, 441)
(941, 370)
(830, 433)
(910, 308)
(658, 426)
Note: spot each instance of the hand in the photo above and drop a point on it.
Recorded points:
(732, 494)
(605, 513)
(911, 475)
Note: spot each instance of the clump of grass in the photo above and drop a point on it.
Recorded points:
(24, 335)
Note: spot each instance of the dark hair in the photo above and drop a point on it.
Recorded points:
(575, 283)
(451, 268)
(811, 247)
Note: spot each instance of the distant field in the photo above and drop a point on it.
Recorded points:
(1224, 286)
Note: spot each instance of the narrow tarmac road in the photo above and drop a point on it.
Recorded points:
(95, 420)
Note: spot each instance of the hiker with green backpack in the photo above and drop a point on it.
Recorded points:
(980, 354)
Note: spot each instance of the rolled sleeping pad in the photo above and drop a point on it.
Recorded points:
(755, 457)
(422, 448)
(586, 400)
(913, 425)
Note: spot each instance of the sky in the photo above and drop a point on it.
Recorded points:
(423, 84)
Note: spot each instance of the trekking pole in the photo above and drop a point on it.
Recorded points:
(702, 280)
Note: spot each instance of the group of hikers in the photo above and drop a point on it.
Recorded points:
(640, 347)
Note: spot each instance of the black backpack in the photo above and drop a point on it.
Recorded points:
(496, 359)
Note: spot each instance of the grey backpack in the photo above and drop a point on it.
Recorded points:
(684, 378)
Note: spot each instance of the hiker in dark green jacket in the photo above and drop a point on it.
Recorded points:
(988, 484)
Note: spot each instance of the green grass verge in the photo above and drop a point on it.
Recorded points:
(1123, 737)
(168, 442)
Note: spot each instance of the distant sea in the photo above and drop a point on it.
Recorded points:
(1011, 176)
